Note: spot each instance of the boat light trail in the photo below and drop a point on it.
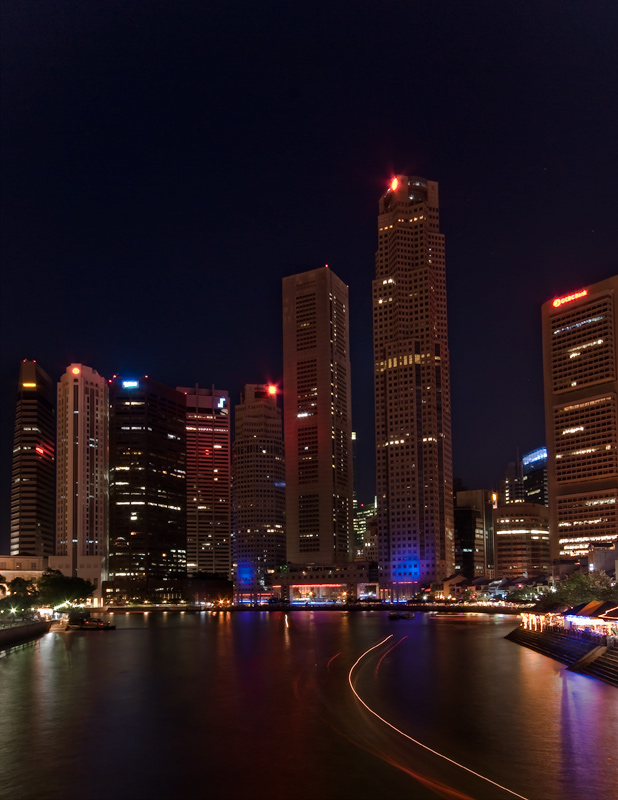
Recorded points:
(407, 736)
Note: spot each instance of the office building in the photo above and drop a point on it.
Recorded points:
(412, 391)
(581, 418)
(147, 553)
(82, 470)
(474, 533)
(209, 524)
(33, 475)
(534, 467)
(365, 532)
(512, 488)
(522, 540)
(258, 493)
(317, 418)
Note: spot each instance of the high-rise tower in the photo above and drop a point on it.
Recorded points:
(258, 492)
(32, 484)
(148, 534)
(317, 418)
(82, 497)
(580, 348)
(209, 526)
(412, 390)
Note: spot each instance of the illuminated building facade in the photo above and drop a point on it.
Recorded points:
(581, 417)
(412, 391)
(365, 532)
(82, 459)
(33, 474)
(147, 553)
(209, 525)
(258, 492)
(317, 418)
(474, 533)
(522, 540)
(534, 466)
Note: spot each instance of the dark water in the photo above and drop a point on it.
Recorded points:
(257, 705)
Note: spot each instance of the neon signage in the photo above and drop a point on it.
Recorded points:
(130, 384)
(560, 301)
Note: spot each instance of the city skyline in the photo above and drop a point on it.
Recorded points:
(152, 204)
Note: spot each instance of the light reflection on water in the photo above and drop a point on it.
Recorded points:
(258, 704)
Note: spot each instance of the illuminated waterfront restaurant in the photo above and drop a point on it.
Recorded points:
(357, 580)
(594, 617)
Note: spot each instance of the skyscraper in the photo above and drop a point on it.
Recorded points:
(317, 418)
(412, 390)
(534, 465)
(33, 475)
(209, 526)
(148, 536)
(474, 533)
(580, 348)
(522, 539)
(258, 492)
(82, 475)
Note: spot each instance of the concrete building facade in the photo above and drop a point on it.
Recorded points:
(317, 418)
(209, 524)
(522, 539)
(412, 391)
(82, 471)
(581, 417)
(258, 493)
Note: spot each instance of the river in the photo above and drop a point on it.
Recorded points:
(273, 705)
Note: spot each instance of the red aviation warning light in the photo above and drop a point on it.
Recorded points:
(272, 389)
(394, 184)
(560, 301)
(40, 451)
(75, 370)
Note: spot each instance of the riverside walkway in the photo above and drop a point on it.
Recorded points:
(585, 654)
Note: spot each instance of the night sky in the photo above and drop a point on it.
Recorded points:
(165, 164)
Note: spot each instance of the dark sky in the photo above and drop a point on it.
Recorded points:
(165, 164)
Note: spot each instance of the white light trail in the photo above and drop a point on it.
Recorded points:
(406, 736)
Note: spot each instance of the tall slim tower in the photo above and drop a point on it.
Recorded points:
(209, 525)
(148, 532)
(258, 492)
(580, 348)
(32, 484)
(412, 390)
(317, 418)
(82, 475)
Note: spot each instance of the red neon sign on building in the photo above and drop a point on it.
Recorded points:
(560, 301)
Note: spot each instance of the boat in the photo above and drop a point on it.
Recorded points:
(400, 615)
(89, 624)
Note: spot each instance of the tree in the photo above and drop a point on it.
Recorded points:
(581, 587)
(55, 589)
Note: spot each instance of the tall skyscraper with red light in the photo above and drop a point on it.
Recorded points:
(209, 525)
(258, 492)
(317, 418)
(412, 391)
(580, 348)
(33, 475)
(82, 457)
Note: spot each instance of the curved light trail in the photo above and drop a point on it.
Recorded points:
(410, 738)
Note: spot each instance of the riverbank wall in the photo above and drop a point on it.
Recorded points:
(585, 655)
(18, 634)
